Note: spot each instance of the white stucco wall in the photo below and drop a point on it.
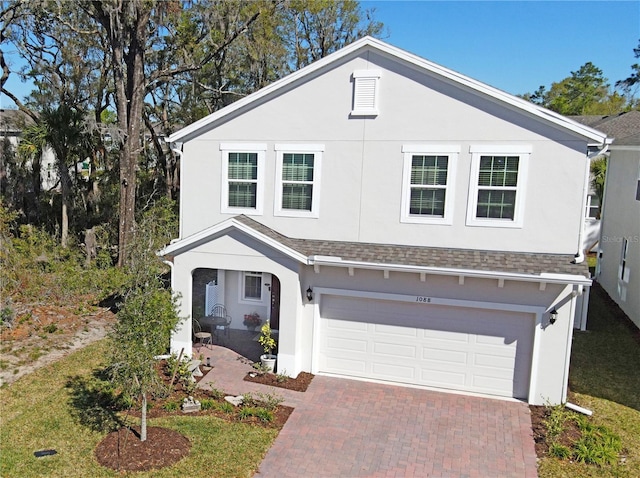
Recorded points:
(621, 219)
(362, 162)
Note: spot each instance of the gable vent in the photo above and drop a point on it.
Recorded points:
(365, 92)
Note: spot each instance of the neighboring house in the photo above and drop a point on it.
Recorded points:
(619, 257)
(394, 220)
(12, 124)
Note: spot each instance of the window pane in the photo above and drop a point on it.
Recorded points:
(297, 196)
(253, 286)
(242, 195)
(498, 171)
(297, 167)
(496, 204)
(243, 166)
(427, 202)
(429, 170)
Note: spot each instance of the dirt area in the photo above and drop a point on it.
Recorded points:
(42, 334)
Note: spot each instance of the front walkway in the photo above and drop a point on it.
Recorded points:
(348, 428)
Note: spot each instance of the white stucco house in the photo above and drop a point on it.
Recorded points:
(12, 124)
(396, 221)
(619, 248)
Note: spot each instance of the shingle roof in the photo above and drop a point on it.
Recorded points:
(490, 261)
(624, 127)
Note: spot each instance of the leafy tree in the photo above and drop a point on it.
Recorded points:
(316, 28)
(585, 92)
(148, 314)
(630, 84)
(598, 176)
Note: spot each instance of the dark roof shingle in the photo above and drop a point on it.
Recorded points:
(423, 256)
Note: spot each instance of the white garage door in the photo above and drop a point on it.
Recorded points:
(423, 344)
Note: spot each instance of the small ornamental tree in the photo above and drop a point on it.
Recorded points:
(148, 313)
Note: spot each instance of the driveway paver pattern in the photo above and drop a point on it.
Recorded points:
(350, 428)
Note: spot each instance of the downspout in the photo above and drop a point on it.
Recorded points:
(572, 310)
(177, 149)
(579, 257)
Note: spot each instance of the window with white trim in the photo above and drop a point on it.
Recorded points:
(251, 286)
(428, 178)
(365, 92)
(298, 180)
(497, 189)
(242, 178)
(593, 206)
(623, 270)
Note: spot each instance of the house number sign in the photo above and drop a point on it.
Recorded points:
(423, 300)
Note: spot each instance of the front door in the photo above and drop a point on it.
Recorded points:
(274, 321)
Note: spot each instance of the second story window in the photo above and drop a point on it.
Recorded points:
(298, 180)
(429, 172)
(496, 197)
(242, 178)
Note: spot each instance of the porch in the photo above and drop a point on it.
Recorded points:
(242, 342)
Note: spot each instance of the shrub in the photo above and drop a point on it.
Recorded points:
(207, 404)
(269, 401)
(171, 405)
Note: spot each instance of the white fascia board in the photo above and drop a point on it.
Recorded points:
(217, 229)
(453, 76)
(471, 273)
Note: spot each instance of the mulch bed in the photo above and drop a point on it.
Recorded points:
(298, 384)
(539, 414)
(123, 450)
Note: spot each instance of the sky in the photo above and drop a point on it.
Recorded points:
(514, 46)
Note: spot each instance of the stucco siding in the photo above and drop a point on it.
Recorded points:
(361, 174)
(621, 220)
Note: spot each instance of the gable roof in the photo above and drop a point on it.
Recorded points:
(624, 128)
(552, 268)
(370, 43)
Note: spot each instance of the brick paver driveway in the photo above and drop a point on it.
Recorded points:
(348, 428)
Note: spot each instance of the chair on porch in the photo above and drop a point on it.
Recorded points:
(199, 334)
(221, 320)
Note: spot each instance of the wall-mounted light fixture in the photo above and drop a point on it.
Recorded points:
(309, 294)
(553, 316)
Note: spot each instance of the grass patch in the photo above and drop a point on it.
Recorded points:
(37, 413)
(604, 378)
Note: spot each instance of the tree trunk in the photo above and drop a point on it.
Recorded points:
(143, 418)
(127, 31)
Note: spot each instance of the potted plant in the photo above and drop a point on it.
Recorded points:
(252, 321)
(268, 344)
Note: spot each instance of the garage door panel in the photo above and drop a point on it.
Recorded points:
(346, 326)
(486, 351)
(393, 372)
(444, 379)
(394, 330)
(395, 350)
(494, 361)
(345, 344)
(441, 355)
(346, 366)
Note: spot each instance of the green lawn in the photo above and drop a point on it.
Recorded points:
(37, 413)
(605, 378)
